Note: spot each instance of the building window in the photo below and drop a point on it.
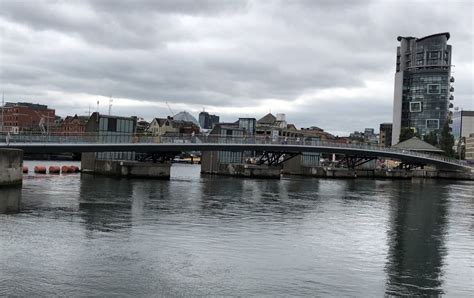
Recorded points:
(434, 55)
(415, 106)
(432, 123)
(112, 125)
(434, 88)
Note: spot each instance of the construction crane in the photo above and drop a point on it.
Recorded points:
(169, 108)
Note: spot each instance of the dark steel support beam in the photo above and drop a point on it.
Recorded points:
(351, 162)
(275, 158)
(156, 157)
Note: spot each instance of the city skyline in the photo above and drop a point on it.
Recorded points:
(325, 64)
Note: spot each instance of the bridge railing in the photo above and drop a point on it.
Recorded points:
(120, 138)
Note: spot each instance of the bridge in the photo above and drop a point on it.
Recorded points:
(272, 151)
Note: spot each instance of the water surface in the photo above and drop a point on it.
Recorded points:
(203, 235)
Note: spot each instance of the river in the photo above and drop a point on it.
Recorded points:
(83, 235)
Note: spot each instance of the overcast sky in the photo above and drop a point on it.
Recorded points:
(324, 63)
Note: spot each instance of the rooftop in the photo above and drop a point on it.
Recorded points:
(415, 144)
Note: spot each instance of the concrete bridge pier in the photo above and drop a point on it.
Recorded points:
(11, 167)
(217, 163)
(125, 168)
(11, 178)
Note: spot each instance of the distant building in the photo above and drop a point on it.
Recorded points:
(160, 127)
(316, 133)
(275, 127)
(142, 125)
(415, 144)
(463, 123)
(470, 148)
(356, 137)
(73, 125)
(385, 135)
(249, 125)
(221, 133)
(370, 137)
(185, 116)
(422, 84)
(366, 137)
(207, 121)
(27, 117)
(112, 129)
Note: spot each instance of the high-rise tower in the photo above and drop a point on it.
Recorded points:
(422, 84)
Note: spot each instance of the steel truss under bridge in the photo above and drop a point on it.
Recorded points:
(157, 157)
(410, 165)
(352, 162)
(275, 158)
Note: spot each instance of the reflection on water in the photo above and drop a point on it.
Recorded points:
(417, 240)
(10, 199)
(106, 206)
(84, 235)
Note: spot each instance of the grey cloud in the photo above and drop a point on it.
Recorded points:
(223, 53)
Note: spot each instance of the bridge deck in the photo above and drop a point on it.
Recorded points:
(347, 149)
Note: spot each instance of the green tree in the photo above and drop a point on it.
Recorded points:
(446, 141)
(406, 133)
(431, 138)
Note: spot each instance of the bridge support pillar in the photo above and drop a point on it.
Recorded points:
(125, 168)
(11, 165)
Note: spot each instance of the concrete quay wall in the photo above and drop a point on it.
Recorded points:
(246, 170)
(327, 172)
(11, 166)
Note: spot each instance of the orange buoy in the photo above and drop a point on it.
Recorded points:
(25, 170)
(66, 169)
(54, 170)
(74, 169)
(40, 170)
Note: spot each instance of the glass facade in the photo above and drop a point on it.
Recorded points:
(249, 125)
(422, 84)
(425, 105)
(310, 159)
(116, 130)
(457, 124)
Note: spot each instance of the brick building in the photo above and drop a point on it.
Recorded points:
(27, 117)
(74, 124)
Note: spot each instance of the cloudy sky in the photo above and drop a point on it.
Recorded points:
(324, 63)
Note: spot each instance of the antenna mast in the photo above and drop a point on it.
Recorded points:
(110, 104)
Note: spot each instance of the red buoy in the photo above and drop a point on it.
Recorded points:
(25, 170)
(40, 170)
(66, 169)
(74, 169)
(54, 170)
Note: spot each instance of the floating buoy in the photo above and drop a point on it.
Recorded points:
(66, 169)
(40, 170)
(54, 170)
(25, 170)
(74, 169)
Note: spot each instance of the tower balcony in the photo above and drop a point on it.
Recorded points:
(451, 89)
(451, 79)
(451, 97)
(451, 105)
